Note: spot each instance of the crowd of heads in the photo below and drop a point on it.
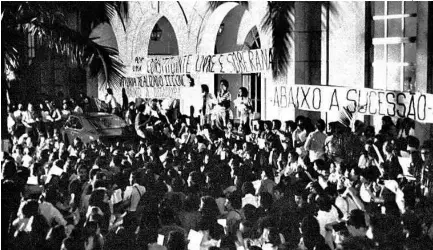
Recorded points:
(284, 185)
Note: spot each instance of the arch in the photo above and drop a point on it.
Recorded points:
(209, 33)
(141, 37)
(167, 45)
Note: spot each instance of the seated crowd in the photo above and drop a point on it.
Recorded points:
(186, 185)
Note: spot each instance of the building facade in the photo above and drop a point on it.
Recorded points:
(380, 45)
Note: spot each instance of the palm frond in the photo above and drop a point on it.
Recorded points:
(79, 49)
(279, 21)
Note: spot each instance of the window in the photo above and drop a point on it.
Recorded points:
(394, 41)
(30, 46)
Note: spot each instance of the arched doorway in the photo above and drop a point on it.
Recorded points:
(163, 43)
(166, 43)
(229, 39)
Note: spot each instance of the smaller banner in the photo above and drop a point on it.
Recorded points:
(417, 106)
(155, 86)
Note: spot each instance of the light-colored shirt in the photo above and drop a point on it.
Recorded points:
(346, 205)
(111, 100)
(325, 218)
(134, 193)
(18, 115)
(29, 117)
(250, 199)
(51, 213)
(210, 102)
(27, 161)
(243, 104)
(315, 144)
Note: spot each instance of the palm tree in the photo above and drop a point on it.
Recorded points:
(47, 22)
(279, 21)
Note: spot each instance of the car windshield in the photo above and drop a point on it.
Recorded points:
(107, 122)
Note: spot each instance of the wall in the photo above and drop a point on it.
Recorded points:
(329, 47)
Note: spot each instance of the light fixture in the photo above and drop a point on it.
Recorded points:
(156, 33)
(221, 29)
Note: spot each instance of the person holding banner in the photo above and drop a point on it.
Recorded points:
(244, 106)
(221, 111)
(207, 105)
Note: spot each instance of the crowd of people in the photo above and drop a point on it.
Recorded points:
(209, 182)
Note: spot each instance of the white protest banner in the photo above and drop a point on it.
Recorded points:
(417, 106)
(151, 86)
(237, 62)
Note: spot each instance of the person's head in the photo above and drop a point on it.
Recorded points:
(358, 243)
(369, 132)
(141, 108)
(9, 169)
(300, 195)
(204, 89)
(276, 124)
(321, 166)
(190, 80)
(266, 200)
(82, 172)
(133, 177)
(274, 236)
(413, 143)
(109, 91)
(300, 122)
(131, 105)
(209, 207)
(30, 107)
(98, 197)
(176, 241)
(388, 147)
(278, 191)
(224, 85)
(166, 215)
(154, 103)
(243, 92)
(91, 228)
(267, 173)
(191, 203)
(268, 125)
(194, 178)
(292, 156)
(427, 227)
(427, 151)
(387, 121)
(310, 226)
(234, 201)
(356, 224)
(320, 125)
(152, 150)
(324, 203)
(29, 208)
